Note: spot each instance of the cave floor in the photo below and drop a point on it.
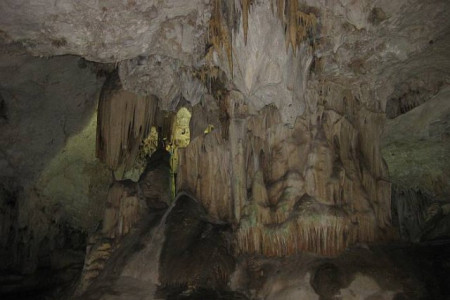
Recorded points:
(412, 271)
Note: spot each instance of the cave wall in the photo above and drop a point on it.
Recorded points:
(415, 146)
(53, 188)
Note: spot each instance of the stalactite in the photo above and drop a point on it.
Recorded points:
(238, 182)
(124, 120)
(318, 233)
(299, 25)
(319, 186)
(123, 209)
(205, 173)
(291, 34)
(220, 34)
(245, 11)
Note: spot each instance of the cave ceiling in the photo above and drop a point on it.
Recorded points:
(357, 40)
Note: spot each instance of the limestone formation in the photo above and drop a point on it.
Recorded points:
(124, 120)
(307, 142)
(107, 31)
(283, 182)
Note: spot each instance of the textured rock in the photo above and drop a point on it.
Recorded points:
(75, 181)
(162, 76)
(282, 182)
(105, 31)
(358, 273)
(264, 71)
(123, 210)
(416, 147)
(154, 185)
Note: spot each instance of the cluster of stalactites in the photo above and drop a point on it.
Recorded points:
(124, 120)
(322, 234)
(318, 187)
(299, 25)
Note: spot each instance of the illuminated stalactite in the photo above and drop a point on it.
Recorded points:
(317, 186)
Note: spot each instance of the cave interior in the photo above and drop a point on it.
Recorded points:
(224, 149)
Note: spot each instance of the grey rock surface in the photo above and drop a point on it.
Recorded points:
(416, 147)
(106, 31)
